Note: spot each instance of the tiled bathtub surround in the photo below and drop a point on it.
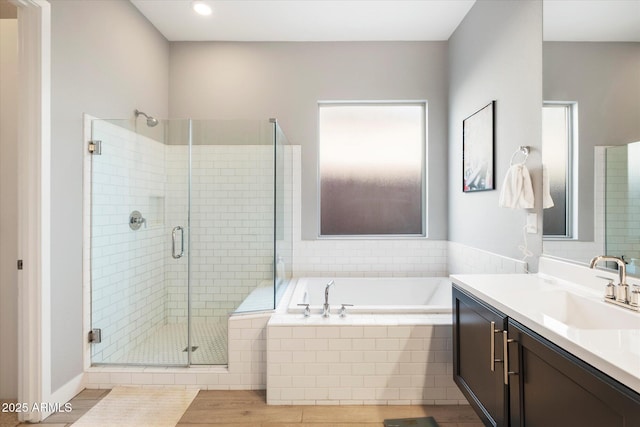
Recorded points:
(361, 359)
(370, 258)
(396, 258)
(464, 259)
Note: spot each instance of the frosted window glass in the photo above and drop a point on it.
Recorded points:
(371, 169)
(556, 157)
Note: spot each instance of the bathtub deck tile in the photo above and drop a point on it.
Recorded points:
(375, 332)
(339, 344)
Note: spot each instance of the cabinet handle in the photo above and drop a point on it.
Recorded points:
(505, 354)
(493, 346)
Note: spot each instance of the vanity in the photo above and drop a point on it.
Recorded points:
(542, 350)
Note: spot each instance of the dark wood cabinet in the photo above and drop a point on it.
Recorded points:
(542, 385)
(476, 327)
(552, 388)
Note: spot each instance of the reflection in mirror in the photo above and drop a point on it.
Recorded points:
(591, 57)
(557, 157)
(623, 204)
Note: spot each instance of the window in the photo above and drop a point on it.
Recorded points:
(558, 135)
(372, 168)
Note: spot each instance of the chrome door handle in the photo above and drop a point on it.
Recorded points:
(174, 232)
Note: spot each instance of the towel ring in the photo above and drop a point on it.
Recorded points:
(524, 149)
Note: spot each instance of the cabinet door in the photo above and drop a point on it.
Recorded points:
(475, 327)
(552, 388)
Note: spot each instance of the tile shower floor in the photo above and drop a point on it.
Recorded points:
(167, 345)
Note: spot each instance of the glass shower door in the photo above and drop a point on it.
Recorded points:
(139, 243)
(232, 228)
(187, 217)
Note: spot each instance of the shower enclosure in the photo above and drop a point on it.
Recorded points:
(190, 223)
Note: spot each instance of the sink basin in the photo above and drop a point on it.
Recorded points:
(584, 313)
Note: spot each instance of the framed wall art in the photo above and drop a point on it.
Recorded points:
(478, 150)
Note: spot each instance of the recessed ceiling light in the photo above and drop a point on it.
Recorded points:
(201, 8)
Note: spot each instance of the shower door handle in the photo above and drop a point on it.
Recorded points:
(173, 242)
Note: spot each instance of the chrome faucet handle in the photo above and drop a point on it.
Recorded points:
(634, 299)
(610, 288)
(343, 309)
(307, 310)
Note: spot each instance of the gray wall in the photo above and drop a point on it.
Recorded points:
(496, 54)
(229, 80)
(604, 78)
(106, 60)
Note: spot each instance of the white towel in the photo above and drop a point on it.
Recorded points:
(547, 201)
(517, 191)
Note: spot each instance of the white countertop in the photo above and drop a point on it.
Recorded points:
(601, 334)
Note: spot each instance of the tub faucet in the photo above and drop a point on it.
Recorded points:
(622, 290)
(326, 311)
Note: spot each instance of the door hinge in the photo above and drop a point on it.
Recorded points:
(95, 336)
(95, 147)
(19, 264)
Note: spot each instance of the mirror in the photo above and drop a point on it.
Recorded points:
(622, 204)
(591, 57)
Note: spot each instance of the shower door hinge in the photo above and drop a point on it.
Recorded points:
(95, 147)
(20, 264)
(95, 336)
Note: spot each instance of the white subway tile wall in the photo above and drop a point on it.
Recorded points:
(623, 202)
(127, 267)
(360, 364)
(463, 259)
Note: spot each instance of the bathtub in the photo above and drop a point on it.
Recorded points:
(392, 348)
(399, 295)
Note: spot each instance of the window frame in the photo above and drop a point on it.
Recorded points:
(424, 171)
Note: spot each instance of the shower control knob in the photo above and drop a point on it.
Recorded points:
(136, 220)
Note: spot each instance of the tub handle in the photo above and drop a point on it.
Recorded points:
(343, 309)
(307, 310)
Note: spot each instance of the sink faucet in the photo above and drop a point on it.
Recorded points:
(325, 308)
(622, 292)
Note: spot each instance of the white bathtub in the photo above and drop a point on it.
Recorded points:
(374, 295)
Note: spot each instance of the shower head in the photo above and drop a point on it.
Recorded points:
(151, 122)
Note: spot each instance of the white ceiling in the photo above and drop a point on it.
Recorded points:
(362, 20)
(307, 20)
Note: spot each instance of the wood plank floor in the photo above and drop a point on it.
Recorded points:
(249, 409)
